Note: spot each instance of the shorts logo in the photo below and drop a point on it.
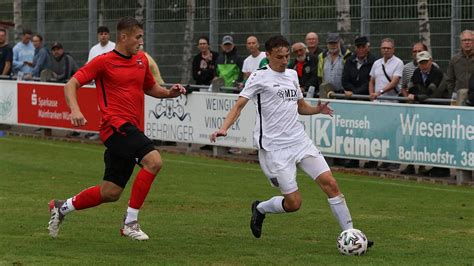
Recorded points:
(274, 181)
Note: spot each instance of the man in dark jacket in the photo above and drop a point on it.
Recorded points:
(427, 81)
(63, 66)
(305, 65)
(461, 66)
(355, 76)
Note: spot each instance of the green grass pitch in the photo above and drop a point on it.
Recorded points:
(198, 211)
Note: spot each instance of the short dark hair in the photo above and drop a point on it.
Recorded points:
(203, 38)
(276, 41)
(128, 24)
(39, 36)
(27, 31)
(3, 30)
(103, 29)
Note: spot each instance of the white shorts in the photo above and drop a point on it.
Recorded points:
(280, 165)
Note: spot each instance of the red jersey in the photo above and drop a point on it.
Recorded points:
(120, 83)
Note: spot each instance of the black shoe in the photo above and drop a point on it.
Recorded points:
(370, 243)
(410, 170)
(383, 167)
(370, 164)
(424, 172)
(73, 134)
(393, 167)
(351, 164)
(338, 161)
(257, 220)
(439, 172)
(206, 148)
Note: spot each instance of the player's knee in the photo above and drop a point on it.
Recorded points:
(292, 205)
(152, 162)
(154, 166)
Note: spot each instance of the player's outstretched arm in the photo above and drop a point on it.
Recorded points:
(159, 92)
(70, 93)
(233, 114)
(305, 108)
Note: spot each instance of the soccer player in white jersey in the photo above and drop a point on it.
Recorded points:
(281, 139)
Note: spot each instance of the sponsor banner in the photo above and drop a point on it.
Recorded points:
(404, 133)
(192, 118)
(8, 102)
(43, 104)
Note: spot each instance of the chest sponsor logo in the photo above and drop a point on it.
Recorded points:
(288, 94)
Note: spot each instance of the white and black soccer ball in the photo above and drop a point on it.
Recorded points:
(352, 242)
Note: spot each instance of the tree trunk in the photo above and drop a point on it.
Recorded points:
(343, 15)
(424, 23)
(140, 11)
(188, 42)
(17, 19)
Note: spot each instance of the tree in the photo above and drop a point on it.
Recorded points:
(343, 15)
(140, 11)
(424, 23)
(17, 19)
(188, 41)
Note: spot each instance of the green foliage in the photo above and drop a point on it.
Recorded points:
(198, 213)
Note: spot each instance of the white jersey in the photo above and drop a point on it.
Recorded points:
(252, 63)
(99, 49)
(275, 95)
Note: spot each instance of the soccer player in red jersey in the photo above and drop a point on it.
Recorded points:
(122, 77)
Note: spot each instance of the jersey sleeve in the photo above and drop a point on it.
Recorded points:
(90, 71)
(252, 86)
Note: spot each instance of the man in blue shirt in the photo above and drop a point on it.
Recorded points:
(23, 54)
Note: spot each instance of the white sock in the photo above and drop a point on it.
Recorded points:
(273, 205)
(132, 215)
(341, 212)
(67, 207)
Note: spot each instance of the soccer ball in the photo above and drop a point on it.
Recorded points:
(352, 242)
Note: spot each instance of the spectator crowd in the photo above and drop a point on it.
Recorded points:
(334, 68)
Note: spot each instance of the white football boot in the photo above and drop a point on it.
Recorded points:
(133, 231)
(56, 218)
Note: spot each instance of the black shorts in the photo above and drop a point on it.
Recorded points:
(125, 147)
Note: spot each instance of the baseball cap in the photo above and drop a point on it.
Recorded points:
(333, 37)
(423, 56)
(227, 39)
(361, 40)
(56, 45)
